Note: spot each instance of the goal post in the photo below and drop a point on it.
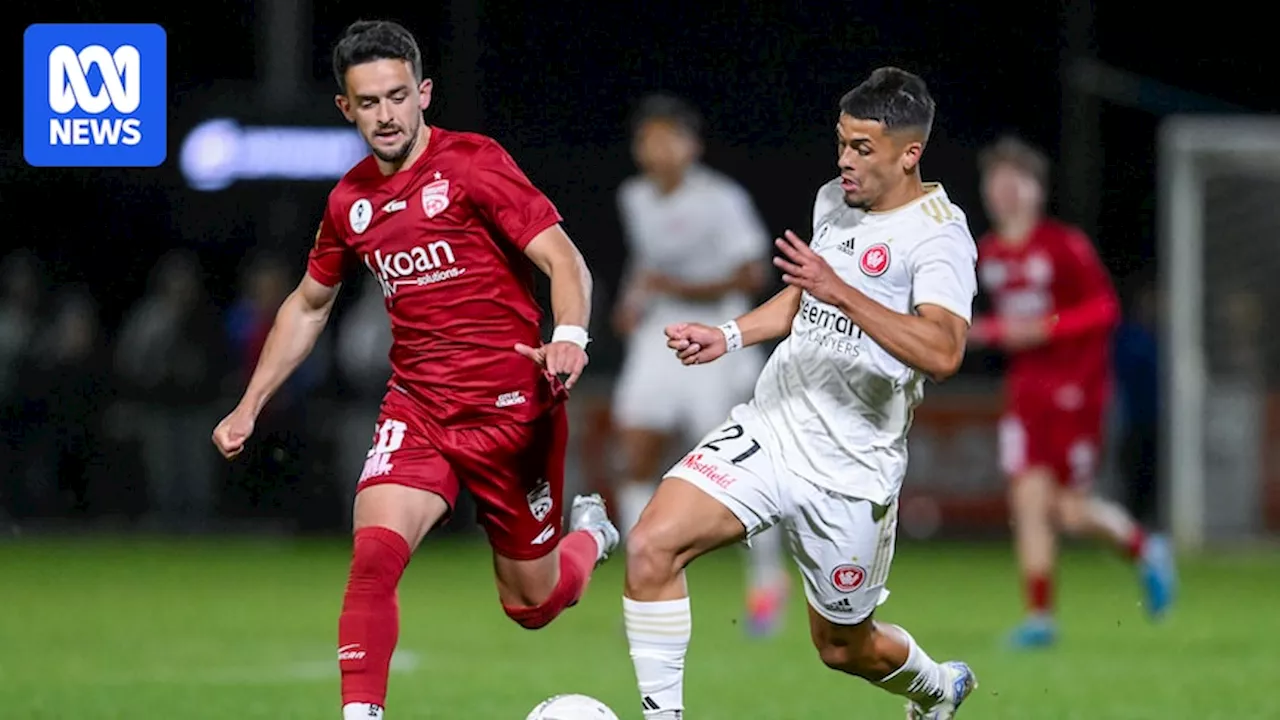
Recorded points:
(1219, 241)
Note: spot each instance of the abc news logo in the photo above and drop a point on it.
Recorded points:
(95, 95)
(69, 89)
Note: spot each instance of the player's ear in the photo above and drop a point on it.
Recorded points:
(424, 94)
(344, 107)
(911, 153)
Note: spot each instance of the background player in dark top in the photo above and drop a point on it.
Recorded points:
(451, 229)
(1054, 313)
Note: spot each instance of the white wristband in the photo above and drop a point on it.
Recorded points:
(732, 336)
(571, 333)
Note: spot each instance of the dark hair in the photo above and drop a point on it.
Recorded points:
(368, 40)
(894, 97)
(667, 108)
(1017, 153)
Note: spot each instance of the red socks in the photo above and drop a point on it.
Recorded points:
(1040, 594)
(578, 553)
(370, 623)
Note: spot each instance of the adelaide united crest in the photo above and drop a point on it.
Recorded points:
(435, 197)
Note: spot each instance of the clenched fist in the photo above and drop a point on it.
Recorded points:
(694, 343)
(232, 432)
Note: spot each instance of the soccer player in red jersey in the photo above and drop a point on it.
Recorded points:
(1054, 314)
(451, 229)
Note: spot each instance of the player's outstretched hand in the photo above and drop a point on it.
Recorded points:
(563, 359)
(694, 343)
(232, 432)
(805, 269)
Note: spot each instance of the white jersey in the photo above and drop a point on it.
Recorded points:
(702, 232)
(839, 405)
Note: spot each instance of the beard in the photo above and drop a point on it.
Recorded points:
(402, 152)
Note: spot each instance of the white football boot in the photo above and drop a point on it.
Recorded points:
(959, 682)
(589, 513)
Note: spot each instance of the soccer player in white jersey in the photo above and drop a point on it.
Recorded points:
(879, 301)
(697, 253)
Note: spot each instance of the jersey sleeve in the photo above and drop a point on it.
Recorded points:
(1093, 305)
(330, 257)
(504, 196)
(745, 238)
(943, 273)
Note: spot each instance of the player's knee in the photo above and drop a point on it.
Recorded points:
(530, 618)
(852, 655)
(377, 561)
(1070, 515)
(652, 558)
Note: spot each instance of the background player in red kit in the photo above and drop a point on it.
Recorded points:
(1054, 313)
(451, 229)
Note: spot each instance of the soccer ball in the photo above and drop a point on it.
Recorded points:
(572, 707)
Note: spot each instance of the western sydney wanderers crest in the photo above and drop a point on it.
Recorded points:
(435, 197)
(875, 260)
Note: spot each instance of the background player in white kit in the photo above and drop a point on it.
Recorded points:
(697, 254)
(879, 301)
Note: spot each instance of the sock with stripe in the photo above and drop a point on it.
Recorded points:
(658, 633)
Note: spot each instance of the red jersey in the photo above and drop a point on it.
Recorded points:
(1056, 276)
(445, 240)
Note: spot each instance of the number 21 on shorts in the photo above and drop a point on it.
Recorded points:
(725, 440)
(387, 438)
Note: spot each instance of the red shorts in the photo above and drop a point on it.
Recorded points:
(514, 471)
(1066, 442)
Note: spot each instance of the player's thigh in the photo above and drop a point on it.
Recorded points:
(515, 472)
(1076, 448)
(407, 484)
(844, 548)
(722, 491)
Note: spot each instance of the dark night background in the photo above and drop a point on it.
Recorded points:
(555, 85)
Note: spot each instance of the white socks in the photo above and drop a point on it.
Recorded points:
(920, 679)
(764, 560)
(632, 498)
(361, 711)
(658, 633)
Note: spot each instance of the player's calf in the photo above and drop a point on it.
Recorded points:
(536, 591)
(681, 523)
(885, 655)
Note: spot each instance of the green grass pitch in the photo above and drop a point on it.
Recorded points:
(98, 629)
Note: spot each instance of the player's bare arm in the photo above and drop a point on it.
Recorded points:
(298, 324)
(932, 341)
(697, 344)
(557, 256)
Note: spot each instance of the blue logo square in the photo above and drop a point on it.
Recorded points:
(94, 95)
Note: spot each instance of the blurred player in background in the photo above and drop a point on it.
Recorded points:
(451, 229)
(877, 302)
(1054, 313)
(697, 252)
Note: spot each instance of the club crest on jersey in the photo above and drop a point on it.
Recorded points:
(875, 260)
(361, 215)
(435, 197)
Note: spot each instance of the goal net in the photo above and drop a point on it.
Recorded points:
(1219, 231)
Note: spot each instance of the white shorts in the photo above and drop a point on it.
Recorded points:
(655, 391)
(842, 545)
